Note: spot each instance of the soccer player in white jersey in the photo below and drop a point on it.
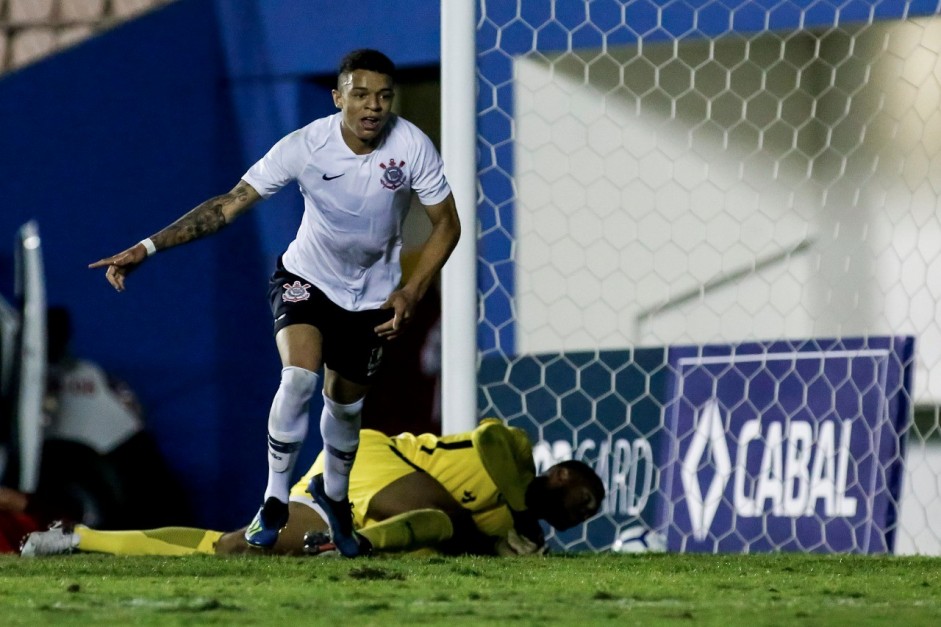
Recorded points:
(335, 295)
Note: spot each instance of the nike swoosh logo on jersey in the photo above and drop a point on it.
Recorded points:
(330, 178)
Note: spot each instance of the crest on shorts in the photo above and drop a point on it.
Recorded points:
(294, 293)
(393, 177)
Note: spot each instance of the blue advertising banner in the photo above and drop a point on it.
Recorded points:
(754, 447)
(786, 446)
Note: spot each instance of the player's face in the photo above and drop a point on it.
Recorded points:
(578, 504)
(561, 499)
(365, 98)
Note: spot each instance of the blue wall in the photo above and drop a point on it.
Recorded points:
(110, 141)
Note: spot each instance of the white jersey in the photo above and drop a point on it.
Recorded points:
(350, 237)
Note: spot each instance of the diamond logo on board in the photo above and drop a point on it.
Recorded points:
(708, 442)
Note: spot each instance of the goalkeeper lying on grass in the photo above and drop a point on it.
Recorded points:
(474, 492)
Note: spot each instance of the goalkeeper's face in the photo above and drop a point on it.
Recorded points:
(365, 97)
(564, 498)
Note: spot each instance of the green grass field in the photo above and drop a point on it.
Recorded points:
(571, 590)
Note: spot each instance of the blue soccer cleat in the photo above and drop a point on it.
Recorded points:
(265, 527)
(340, 518)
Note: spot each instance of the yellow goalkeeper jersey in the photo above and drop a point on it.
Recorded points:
(485, 470)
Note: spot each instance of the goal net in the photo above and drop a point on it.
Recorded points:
(709, 264)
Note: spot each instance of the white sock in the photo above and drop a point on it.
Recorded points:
(287, 427)
(339, 426)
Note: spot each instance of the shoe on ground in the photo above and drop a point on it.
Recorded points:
(57, 540)
(340, 518)
(265, 527)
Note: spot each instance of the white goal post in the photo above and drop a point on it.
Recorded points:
(688, 215)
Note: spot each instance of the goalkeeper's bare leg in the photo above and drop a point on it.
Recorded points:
(290, 541)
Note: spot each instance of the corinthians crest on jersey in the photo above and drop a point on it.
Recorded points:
(393, 176)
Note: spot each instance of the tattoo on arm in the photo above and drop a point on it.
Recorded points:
(205, 219)
(240, 192)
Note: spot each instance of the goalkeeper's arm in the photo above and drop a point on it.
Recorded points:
(469, 540)
(452, 533)
(432, 528)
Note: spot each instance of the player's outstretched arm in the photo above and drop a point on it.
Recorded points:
(205, 219)
(445, 233)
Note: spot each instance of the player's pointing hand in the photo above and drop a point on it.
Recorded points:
(120, 265)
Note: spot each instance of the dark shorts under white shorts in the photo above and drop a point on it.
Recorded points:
(351, 347)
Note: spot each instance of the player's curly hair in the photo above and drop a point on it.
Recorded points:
(366, 59)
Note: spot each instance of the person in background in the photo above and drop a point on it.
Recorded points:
(100, 464)
(83, 402)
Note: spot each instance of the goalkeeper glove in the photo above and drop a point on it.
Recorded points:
(515, 544)
(528, 526)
